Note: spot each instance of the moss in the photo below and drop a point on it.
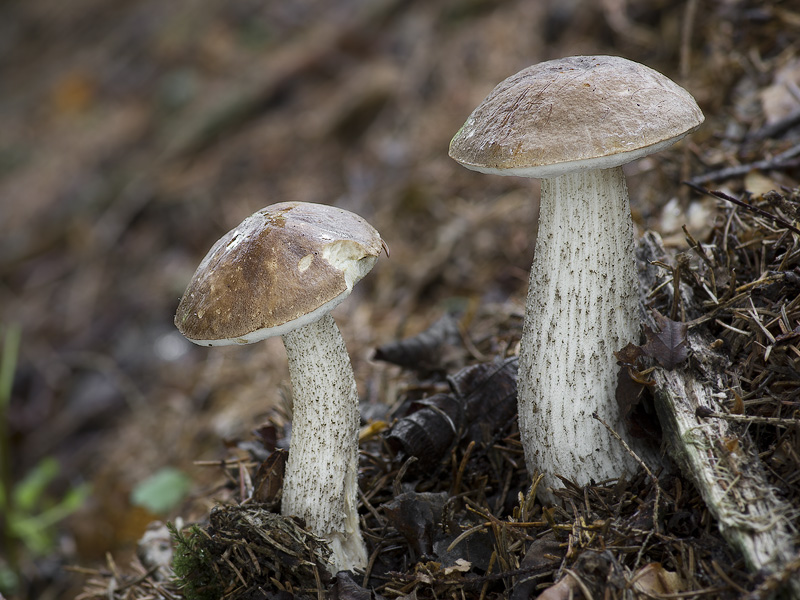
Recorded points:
(193, 564)
(246, 549)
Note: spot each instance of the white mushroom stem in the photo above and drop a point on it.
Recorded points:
(322, 471)
(582, 305)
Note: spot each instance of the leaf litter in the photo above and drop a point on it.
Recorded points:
(597, 542)
(447, 507)
(460, 519)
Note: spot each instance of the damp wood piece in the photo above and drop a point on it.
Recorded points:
(733, 482)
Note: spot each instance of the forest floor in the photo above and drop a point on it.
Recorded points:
(136, 133)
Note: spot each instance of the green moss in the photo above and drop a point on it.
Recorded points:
(193, 565)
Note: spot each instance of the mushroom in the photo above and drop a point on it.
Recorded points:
(573, 122)
(281, 272)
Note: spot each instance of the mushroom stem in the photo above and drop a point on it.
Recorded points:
(582, 305)
(322, 471)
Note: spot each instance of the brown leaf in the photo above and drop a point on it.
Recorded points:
(732, 444)
(629, 354)
(667, 346)
(429, 351)
(628, 392)
(489, 391)
(544, 554)
(345, 588)
(416, 516)
(430, 429)
(268, 481)
(484, 402)
(653, 580)
(738, 405)
(564, 589)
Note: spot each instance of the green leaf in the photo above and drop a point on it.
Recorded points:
(29, 491)
(9, 580)
(162, 491)
(38, 540)
(8, 364)
(35, 530)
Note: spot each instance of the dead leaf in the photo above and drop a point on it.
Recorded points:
(429, 431)
(484, 402)
(489, 391)
(629, 354)
(667, 346)
(371, 430)
(779, 100)
(345, 588)
(732, 444)
(544, 554)
(428, 351)
(653, 580)
(460, 566)
(565, 589)
(416, 516)
(268, 481)
(738, 405)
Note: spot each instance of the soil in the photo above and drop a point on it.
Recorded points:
(137, 133)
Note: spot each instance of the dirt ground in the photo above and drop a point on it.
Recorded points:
(136, 133)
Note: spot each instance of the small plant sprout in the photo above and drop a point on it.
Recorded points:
(573, 123)
(281, 272)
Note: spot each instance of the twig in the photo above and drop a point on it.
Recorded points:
(580, 583)
(461, 468)
(776, 421)
(401, 473)
(734, 485)
(779, 161)
(773, 129)
(760, 211)
(641, 462)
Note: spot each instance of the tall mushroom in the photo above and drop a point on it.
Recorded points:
(281, 272)
(574, 122)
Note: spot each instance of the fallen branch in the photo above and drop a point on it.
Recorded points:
(716, 454)
(784, 160)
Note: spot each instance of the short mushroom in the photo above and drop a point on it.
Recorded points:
(281, 272)
(574, 122)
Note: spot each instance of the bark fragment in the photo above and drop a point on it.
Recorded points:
(731, 479)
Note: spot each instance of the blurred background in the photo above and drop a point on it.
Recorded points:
(133, 134)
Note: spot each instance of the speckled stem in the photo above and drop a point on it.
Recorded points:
(582, 306)
(322, 471)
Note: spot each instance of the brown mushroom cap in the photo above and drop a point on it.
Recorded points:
(574, 113)
(282, 267)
